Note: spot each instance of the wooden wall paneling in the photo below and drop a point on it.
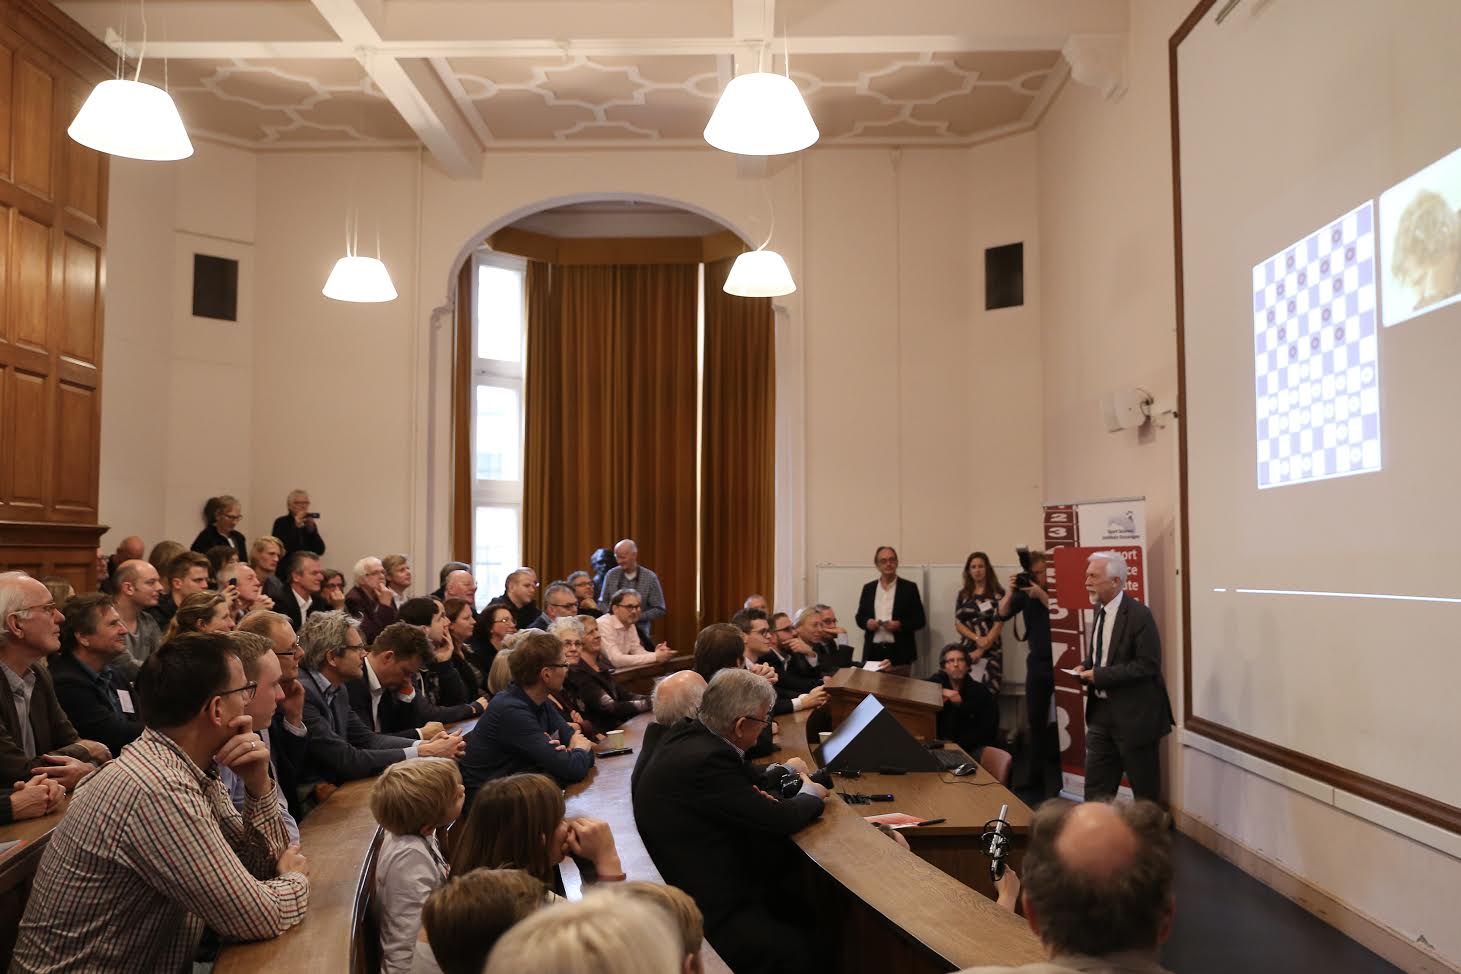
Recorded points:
(7, 61)
(32, 140)
(30, 283)
(75, 483)
(80, 272)
(27, 419)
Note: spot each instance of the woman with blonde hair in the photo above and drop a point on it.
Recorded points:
(605, 933)
(201, 612)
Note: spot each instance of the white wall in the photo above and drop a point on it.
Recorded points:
(1109, 317)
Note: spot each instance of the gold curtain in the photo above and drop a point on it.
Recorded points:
(738, 448)
(610, 425)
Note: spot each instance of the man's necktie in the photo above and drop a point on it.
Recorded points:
(1100, 634)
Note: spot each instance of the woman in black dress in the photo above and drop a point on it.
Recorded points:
(970, 717)
(604, 702)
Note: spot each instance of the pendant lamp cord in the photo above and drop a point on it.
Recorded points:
(766, 189)
(141, 51)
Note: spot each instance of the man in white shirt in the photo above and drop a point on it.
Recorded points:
(305, 578)
(262, 669)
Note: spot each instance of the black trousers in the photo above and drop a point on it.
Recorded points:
(1042, 741)
(754, 941)
(1107, 757)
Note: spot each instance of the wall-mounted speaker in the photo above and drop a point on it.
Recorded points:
(215, 287)
(1004, 276)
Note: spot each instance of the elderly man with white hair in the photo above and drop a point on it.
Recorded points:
(629, 573)
(248, 588)
(371, 600)
(1127, 709)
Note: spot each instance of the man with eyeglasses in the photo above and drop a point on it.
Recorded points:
(559, 602)
(36, 736)
(265, 675)
(629, 573)
(522, 731)
(288, 735)
(713, 832)
(152, 851)
(760, 657)
(619, 633)
(371, 599)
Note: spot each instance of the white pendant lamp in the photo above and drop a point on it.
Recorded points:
(132, 119)
(759, 274)
(364, 280)
(761, 114)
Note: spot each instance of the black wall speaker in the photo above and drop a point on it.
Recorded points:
(1004, 276)
(215, 287)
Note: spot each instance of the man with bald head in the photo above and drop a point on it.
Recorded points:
(520, 595)
(675, 698)
(1098, 888)
(629, 573)
(136, 587)
(128, 549)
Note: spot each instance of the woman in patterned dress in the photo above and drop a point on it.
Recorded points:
(976, 617)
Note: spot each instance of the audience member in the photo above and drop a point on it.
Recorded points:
(1098, 888)
(619, 634)
(219, 557)
(398, 576)
(129, 548)
(890, 612)
(680, 908)
(410, 802)
(559, 602)
(332, 589)
(304, 577)
(630, 574)
(265, 692)
(162, 554)
(152, 851)
(299, 530)
(970, 717)
(287, 726)
(264, 557)
(582, 584)
(447, 569)
(342, 747)
(567, 699)
(606, 703)
(371, 599)
(60, 589)
(757, 602)
(676, 698)
(519, 594)
(138, 589)
(834, 652)
(518, 821)
(98, 700)
(205, 611)
(793, 649)
(599, 562)
(1031, 602)
(977, 619)
(489, 634)
(31, 799)
(36, 737)
(460, 584)
(465, 918)
(521, 731)
(714, 834)
(606, 933)
(385, 695)
(445, 679)
(186, 574)
(460, 621)
(500, 676)
(248, 590)
(220, 526)
(759, 656)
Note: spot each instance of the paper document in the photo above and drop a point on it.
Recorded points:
(895, 820)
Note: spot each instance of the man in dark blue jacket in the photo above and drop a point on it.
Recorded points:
(96, 697)
(521, 731)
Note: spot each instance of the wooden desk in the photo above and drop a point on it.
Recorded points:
(604, 794)
(915, 703)
(335, 838)
(17, 870)
(640, 677)
(886, 908)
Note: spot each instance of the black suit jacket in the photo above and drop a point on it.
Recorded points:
(342, 747)
(795, 676)
(54, 734)
(402, 718)
(907, 609)
(210, 538)
(1136, 704)
(708, 829)
(653, 734)
(289, 752)
(295, 539)
(832, 656)
(289, 607)
(89, 706)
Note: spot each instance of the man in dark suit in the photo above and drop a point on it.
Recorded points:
(288, 733)
(387, 697)
(297, 531)
(1127, 710)
(97, 699)
(370, 600)
(712, 833)
(303, 577)
(889, 612)
(676, 698)
(342, 747)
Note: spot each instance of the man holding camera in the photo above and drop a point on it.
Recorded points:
(1026, 597)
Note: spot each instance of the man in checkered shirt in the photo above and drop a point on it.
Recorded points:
(152, 849)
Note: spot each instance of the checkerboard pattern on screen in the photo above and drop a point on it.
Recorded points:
(1316, 355)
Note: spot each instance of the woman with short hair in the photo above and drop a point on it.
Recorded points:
(221, 515)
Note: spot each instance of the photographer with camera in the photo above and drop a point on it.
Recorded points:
(1027, 598)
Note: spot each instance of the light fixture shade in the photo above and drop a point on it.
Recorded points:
(759, 274)
(131, 119)
(761, 114)
(362, 279)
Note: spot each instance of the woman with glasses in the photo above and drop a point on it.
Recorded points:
(220, 526)
(619, 632)
(604, 702)
(567, 699)
(490, 635)
(332, 589)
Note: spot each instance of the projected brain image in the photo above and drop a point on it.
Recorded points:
(1316, 355)
(1420, 241)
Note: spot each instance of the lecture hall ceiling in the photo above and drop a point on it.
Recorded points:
(465, 77)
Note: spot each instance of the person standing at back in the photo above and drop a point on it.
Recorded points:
(220, 526)
(890, 612)
(299, 530)
(629, 573)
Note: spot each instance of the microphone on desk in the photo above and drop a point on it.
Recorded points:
(996, 842)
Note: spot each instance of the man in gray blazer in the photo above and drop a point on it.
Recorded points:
(1127, 710)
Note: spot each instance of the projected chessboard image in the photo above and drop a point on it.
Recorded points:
(1316, 355)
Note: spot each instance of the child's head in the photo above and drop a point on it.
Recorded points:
(681, 908)
(464, 918)
(417, 796)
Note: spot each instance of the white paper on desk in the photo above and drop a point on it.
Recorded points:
(873, 664)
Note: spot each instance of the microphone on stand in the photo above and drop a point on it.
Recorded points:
(996, 842)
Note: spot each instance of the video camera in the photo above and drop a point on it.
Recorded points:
(1025, 578)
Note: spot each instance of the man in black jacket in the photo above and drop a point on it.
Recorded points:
(288, 734)
(714, 834)
(96, 697)
(387, 697)
(297, 530)
(1127, 710)
(676, 698)
(890, 612)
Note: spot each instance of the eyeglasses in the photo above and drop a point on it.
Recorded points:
(562, 605)
(557, 666)
(248, 690)
(48, 606)
(760, 720)
(627, 607)
(782, 631)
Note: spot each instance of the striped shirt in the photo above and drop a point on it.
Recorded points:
(149, 851)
